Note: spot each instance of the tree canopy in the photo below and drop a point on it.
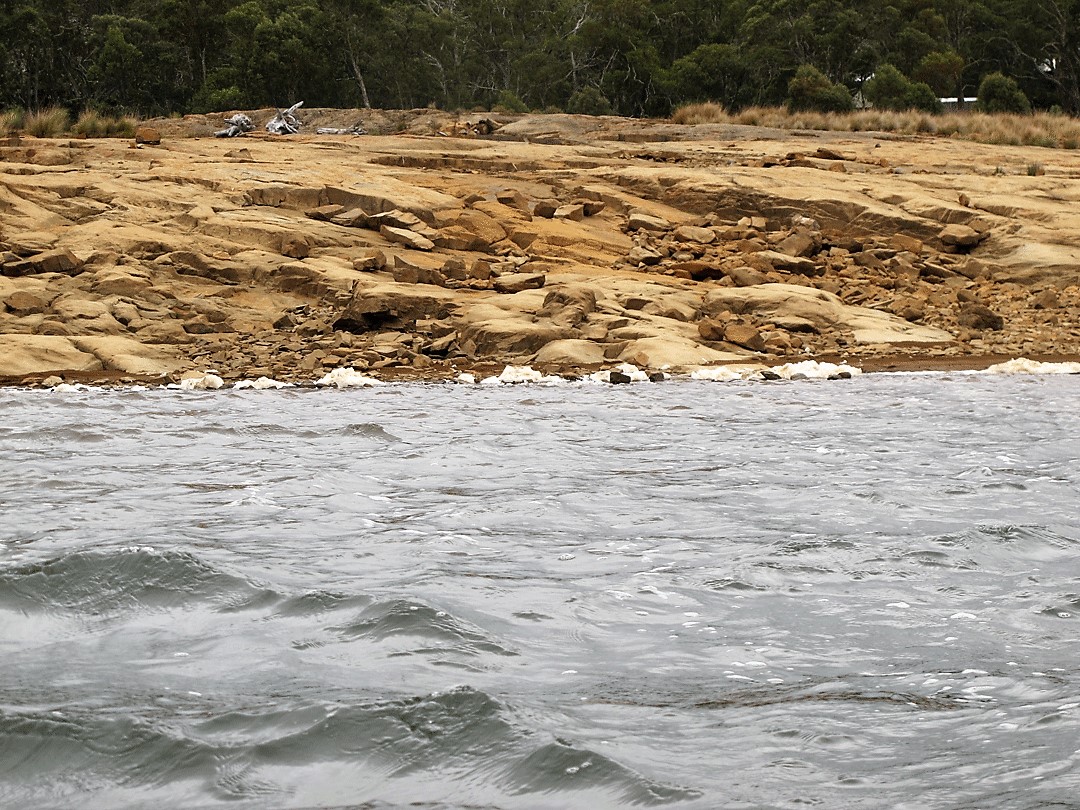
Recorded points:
(632, 57)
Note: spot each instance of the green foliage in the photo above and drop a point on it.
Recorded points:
(811, 90)
(999, 93)
(588, 101)
(943, 71)
(509, 102)
(892, 90)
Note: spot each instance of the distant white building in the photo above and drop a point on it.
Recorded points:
(954, 103)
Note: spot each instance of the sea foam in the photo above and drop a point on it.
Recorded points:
(1022, 365)
(347, 377)
(261, 384)
(209, 381)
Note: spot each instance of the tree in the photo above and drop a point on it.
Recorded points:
(810, 89)
(892, 90)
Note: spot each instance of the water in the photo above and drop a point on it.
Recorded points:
(849, 594)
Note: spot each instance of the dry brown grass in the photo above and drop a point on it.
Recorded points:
(1039, 129)
(11, 120)
(707, 112)
(92, 124)
(50, 122)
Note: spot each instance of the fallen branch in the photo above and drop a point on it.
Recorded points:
(285, 122)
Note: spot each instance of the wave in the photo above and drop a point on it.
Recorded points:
(103, 583)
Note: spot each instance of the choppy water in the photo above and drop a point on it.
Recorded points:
(853, 594)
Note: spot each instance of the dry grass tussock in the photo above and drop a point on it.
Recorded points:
(1038, 129)
(55, 121)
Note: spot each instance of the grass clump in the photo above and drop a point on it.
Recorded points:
(12, 120)
(50, 122)
(707, 112)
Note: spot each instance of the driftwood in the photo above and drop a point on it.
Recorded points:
(356, 130)
(285, 122)
(237, 125)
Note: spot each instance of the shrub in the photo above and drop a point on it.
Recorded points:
(509, 102)
(91, 124)
(12, 119)
(811, 90)
(999, 93)
(588, 101)
(48, 123)
(892, 90)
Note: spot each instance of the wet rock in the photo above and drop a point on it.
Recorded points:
(618, 378)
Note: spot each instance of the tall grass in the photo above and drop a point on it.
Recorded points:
(50, 122)
(11, 120)
(92, 124)
(1050, 130)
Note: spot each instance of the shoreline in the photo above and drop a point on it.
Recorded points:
(485, 370)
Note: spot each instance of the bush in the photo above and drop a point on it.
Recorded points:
(48, 123)
(222, 99)
(588, 101)
(811, 90)
(707, 112)
(1000, 94)
(509, 102)
(12, 119)
(892, 90)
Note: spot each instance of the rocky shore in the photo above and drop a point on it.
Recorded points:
(571, 244)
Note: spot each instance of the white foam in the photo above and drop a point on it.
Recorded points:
(520, 374)
(209, 381)
(1022, 365)
(69, 388)
(347, 377)
(467, 378)
(726, 374)
(814, 370)
(261, 384)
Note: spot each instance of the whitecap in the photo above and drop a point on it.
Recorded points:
(633, 372)
(814, 370)
(726, 374)
(520, 374)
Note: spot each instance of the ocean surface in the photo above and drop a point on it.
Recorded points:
(860, 593)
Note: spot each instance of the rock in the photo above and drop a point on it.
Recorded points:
(405, 272)
(801, 243)
(572, 353)
(744, 335)
(641, 255)
(326, 213)
(618, 378)
(592, 207)
(406, 237)
(24, 303)
(712, 329)
(640, 221)
(978, 317)
(376, 308)
(692, 233)
(573, 212)
(369, 261)
(790, 264)
(518, 282)
(147, 135)
(744, 276)
(508, 336)
(900, 241)
(1047, 299)
(960, 236)
(49, 261)
(31, 354)
(545, 208)
(513, 198)
(296, 247)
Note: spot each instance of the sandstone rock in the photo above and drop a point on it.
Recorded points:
(640, 221)
(573, 212)
(744, 335)
(31, 354)
(744, 276)
(899, 241)
(801, 243)
(370, 261)
(513, 198)
(147, 135)
(406, 272)
(960, 236)
(128, 355)
(297, 246)
(325, 213)
(24, 303)
(50, 261)
(1047, 299)
(790, 264)
(509, 336)
(979, 317)
(375, 308)
(518, 282)
(641, 255)
(545, 208)
(406, 237)
(572, 353)
(592, 207)
(692, 233)
(712, 329)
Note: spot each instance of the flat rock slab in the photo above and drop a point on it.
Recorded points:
(30, 354)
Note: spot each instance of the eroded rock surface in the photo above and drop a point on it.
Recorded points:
(566, 242)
